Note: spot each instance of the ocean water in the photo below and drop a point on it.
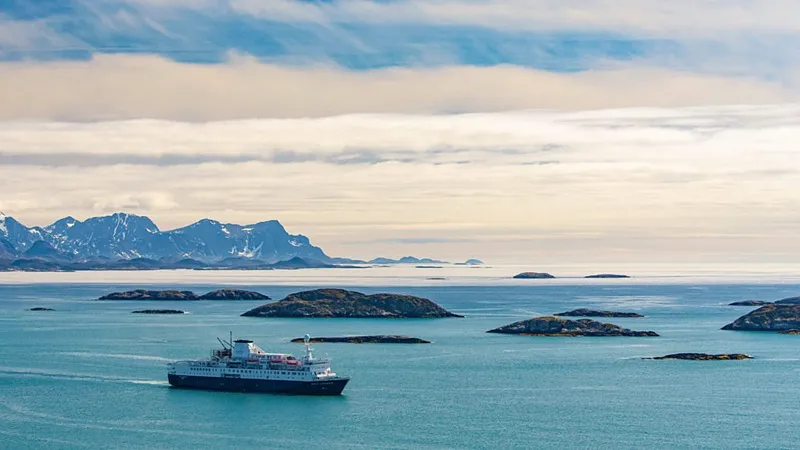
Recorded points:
(92, 375)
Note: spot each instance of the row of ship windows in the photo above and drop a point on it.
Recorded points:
(240, 371)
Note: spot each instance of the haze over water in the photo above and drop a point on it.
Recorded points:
(92, 375)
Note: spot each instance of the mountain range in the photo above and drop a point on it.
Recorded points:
(129, 241)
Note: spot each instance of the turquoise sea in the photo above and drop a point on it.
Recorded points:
(92, 375)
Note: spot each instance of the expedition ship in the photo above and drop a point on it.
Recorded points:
(241, 366)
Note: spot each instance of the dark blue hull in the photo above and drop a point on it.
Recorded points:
(326, 387)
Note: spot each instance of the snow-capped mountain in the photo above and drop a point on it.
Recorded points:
(20, 236)
(128, 236)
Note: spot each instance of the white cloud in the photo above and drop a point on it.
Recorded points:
(716, 181)
(125, 86)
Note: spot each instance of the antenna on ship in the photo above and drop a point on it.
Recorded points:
(307, 343)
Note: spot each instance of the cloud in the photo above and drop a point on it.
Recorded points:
(624, 183)
(128, 86)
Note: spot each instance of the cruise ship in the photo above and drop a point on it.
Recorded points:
(242, 366)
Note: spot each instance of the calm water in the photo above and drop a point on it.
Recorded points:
(93, 375)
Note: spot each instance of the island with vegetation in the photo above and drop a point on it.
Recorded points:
(159, 311)
(704, 357)
(555, 326)
(378, 339)
(775, 317)
(533, 276)
(343, 303)
(585, 312)
(176, 295)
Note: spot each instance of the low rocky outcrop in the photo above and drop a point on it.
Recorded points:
(789, 301)
(233, 294)
(533, 275)
(792, 332)
(554, 326)
(380, 339)
(607, 275)
(776, 317)
(704, 356)
(343, 303)
(584, 312)
(39, 308)
(159, 311)
(142, 294)
(750, 303)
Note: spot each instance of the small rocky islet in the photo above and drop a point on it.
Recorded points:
(378, 339)
(41, 308)
(176, 295)
(607, 275)
(555, 326)
(750, 303)
(585, 312)
(341, 303)
(533, 276)
(159, 311)
(704, 357)
(777, 317)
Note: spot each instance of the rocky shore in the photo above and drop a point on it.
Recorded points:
(554, 326)
(379, 339)
(775, 317)
(342, 303)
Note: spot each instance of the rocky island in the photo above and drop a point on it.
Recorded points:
(750, 303)
(159, 311)
(607, 275)
(343, 303)
(554, 326)
(584, 312)
(39, 308)
(380, 339)
(789, 301)
(704, 356)
(775, 317)
(176, 295)
(533, 276)
(791, 332)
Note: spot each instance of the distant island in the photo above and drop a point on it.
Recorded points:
(175, 295)
(554, 326)
(381, 339)
(774, 317)
(607, 275)
(750, 303)
(584, 312)
(533, 275)
(341, 303)
(704, 357)
(40, 308)
(159, 311)
(122, 241)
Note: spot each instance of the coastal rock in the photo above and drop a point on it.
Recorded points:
(776, 317)
(533, 275)
(789, 301)
(554, 326)
(380, 339)
(159, 311)
(792, 332)
(607, 275)
(750, 303)
(233, 294)
(142, 294)
(39, 308)
(343, 303)
(584, 312)
(704, 356)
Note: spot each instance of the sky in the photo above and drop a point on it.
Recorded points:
(511, 131)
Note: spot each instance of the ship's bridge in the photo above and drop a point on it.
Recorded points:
(243, 349)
